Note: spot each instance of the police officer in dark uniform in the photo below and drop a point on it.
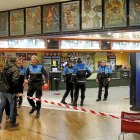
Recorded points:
(67, 74)
(22, 71)
(80, 73)
(103, 77)
(35, 83)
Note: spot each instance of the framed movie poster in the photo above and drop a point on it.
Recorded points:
(33, 20)
(91, 14)
(17, 22)
(134, 12)
(21, 56)
(70, 17)
(115, 13)
(3, 24)
(51, 18)
(29, 55)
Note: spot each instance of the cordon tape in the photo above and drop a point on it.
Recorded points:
(81, 109)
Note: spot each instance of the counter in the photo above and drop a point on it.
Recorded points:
(119, 78)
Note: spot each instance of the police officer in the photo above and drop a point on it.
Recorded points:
(79, 75)
(103, 77)
(67, 73)
(35, 83)
(22, 71)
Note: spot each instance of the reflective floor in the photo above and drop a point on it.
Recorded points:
(67, 124)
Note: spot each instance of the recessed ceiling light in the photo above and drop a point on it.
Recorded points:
(109, 33)
(97, 35)
(121, 52)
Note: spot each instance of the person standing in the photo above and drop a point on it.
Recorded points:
(79, 75)
(9, 90)
(103, 77)
(22, 71)
(35, 83)
(67, 74)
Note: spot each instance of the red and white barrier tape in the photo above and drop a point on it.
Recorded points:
(82, 109)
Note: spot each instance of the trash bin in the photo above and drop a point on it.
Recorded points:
(56, 83)
(55, 78)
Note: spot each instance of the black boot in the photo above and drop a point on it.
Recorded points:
(74, 104)
(37, 114)
(81, 103)
(63, 101)
(32, 110)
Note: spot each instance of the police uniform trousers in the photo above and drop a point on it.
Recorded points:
(37, 87)
(79, 86)
(69, 89)
(100, 90)
(21, 81)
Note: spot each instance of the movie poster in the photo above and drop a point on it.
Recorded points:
(3, 24)
(51, 18)
(70, 17)
(21, 56)
(17, 22)
(29, 55)
(2, 57)
(91, 14)
(115, 13)
(33, 20)
(134, 12)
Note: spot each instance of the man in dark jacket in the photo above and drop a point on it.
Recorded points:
(35, 83)
(79, 75)
(103, 77)
(9, 90)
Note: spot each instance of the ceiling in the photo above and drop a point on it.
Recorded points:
(15, 4)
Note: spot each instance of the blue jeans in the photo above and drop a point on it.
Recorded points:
(7, 97)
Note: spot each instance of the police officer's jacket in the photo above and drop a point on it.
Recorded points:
(104, 73)
(22, 72)
(35, 73)
(67, 73)
(80, 73)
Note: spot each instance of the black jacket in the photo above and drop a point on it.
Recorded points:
(10, 79)
(81, 72)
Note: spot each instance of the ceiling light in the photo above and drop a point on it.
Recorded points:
(108, 42)
(109, 33)
(121, 52)
(90, 36)
(97, 35)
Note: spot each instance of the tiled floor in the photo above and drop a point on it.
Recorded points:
(114, 105)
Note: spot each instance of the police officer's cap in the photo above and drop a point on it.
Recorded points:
(69, 61)
(79, 60)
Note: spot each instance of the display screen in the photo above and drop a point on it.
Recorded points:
(52, 43)
(79, 44)
(125, 46)
(26, 43)
(105, 45)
